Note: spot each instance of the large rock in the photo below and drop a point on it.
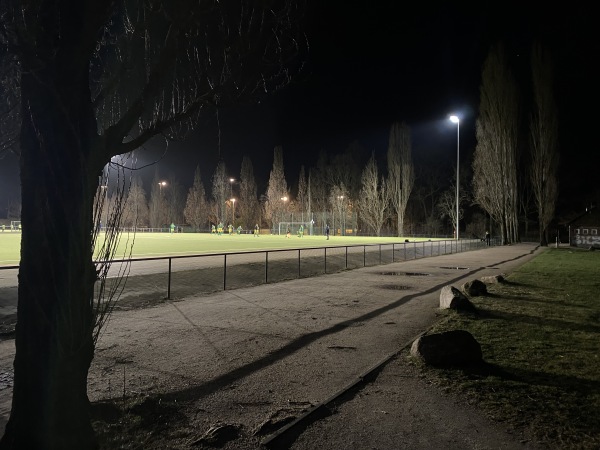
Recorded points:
(494, 279)
(452, 298)
(474, 288)
(451, 348)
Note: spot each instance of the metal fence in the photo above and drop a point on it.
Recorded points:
(155, 279)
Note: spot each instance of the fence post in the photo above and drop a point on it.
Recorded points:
(379, 254)
(169, 282)
(325, 259)
(405, 251)
(225, 271)
(266, 267)
(364, 256)
(393, 252)
(298, 263)
(415, 246)
(346, 257)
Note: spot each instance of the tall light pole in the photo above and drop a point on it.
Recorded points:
(342, 218)
(231, 181)
(233, 221)
(456, 120)
(160, 211)
(284, 199)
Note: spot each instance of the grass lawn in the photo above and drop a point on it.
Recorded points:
(164, 244)
(540, 336)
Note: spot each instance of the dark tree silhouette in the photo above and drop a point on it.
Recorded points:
(98, 78)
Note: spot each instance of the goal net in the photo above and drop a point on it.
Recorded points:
(15, 225)
(294, 228)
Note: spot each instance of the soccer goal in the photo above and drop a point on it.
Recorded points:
(294, 228)
(15, 225)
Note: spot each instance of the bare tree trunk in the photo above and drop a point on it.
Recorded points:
(54, 336)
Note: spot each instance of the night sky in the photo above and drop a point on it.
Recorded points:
(372, 63)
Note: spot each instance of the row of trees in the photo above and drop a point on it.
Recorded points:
(337, 192)
(505, 175)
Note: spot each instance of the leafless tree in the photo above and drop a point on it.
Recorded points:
(157, 206)
(175, 198)
(135, 213)
(196, 207)
(425, 196)
(446, 205)
(98, 79)
(495, 168)
(302, 197)
(318, 192)
(373, 198)
(220, 191)
(338, 198)
(401, 172)
(248, 206)
(277, 190)
(544, 139)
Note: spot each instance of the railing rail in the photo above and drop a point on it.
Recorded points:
(243, 268)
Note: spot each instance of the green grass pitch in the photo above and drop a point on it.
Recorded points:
(147, 245)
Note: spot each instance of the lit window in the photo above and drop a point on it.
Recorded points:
(594, 231)
(585, 231)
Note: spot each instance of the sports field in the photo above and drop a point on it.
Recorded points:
(146, 245)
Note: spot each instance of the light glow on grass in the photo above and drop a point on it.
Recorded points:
(148, 245)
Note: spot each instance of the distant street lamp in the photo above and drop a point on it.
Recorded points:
(161, 184)
(456, 120)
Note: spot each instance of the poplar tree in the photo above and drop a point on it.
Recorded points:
(302, 197)
(401, 172)
(220, 189)
(248, 204)
(196, 207)
(495, 186)
(544, 139)
(135, 213)
(277, 191)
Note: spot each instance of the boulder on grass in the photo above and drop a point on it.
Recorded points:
(494, 279)
(452, 298)
(451, 348)
(474, 288)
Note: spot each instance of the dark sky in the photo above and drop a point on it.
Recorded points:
(372, 63)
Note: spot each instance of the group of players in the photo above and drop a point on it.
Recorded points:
(219, 229)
